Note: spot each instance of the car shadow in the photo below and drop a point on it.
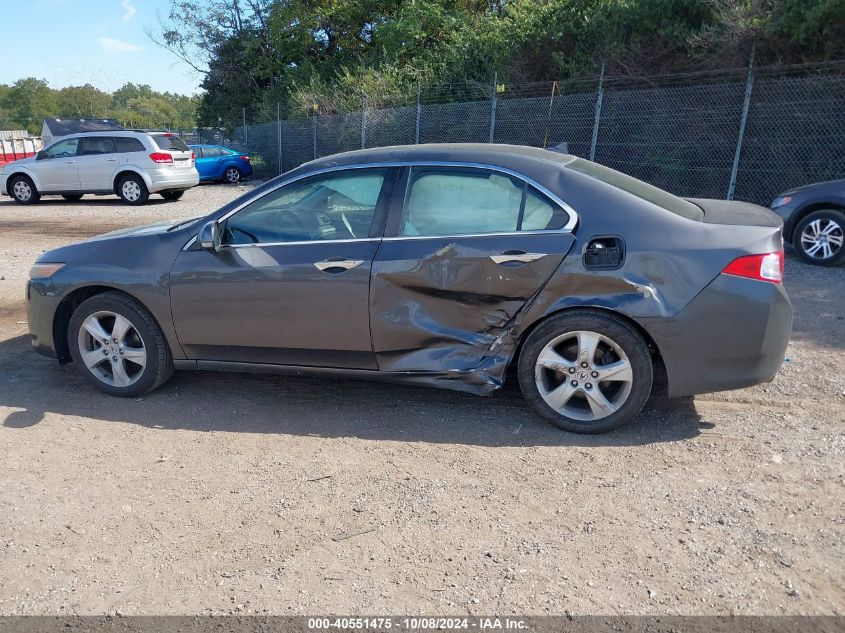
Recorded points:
(33, 386)
(104, 201)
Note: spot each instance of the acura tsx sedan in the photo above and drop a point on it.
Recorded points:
(443, 265)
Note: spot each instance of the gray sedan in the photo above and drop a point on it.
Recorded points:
(443, 265)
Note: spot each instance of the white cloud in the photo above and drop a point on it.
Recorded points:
(130, 10)
(111, 45)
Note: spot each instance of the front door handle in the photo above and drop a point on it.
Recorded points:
(70, 162)
(517, 257)
(337, 264)
(111, 160)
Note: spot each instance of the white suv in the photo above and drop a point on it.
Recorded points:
(130, 164)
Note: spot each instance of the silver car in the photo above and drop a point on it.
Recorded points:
(129, 164)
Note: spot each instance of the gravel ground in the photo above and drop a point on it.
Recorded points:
(252, 494)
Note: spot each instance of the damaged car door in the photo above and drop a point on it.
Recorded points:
(465, 251)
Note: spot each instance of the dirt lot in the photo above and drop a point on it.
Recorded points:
(252, 494)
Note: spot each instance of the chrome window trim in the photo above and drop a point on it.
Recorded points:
(301, 242)
(570, 225)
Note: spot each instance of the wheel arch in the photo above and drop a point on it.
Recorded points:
(68, 305)
(126, 171)
(22, 172)
(807, 209)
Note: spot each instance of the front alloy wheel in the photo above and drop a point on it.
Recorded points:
(586, 371)
(112, 349)
(820, 236)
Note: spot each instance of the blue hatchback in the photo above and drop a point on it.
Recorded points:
(220, 163)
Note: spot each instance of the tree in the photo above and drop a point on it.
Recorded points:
(28, 102)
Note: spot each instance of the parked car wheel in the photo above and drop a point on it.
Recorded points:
(118, 346)
(232, 175)
(132, 189)
(23, 190)
(73, 197)
(819, 237)
(586, 371)
(172, 195)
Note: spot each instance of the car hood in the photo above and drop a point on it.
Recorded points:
(20, 161)
(146, 229)
(827, 185)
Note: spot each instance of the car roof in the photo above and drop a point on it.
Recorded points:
(484, 153)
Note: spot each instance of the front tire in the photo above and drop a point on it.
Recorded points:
(232, 175)
(586, 371)
(23, 190)
(132, 190)
(118, 347)
(818, 238)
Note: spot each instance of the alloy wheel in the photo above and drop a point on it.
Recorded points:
(112, 349)
(583, 375)
(233, 175)
(22, 190)
(131, 190)
(822, 238)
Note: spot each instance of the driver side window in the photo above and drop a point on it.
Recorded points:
(336, 206)
(63, 149)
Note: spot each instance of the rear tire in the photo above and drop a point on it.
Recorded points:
(23, 190)
(562, 364)
(232, 175)
(818, 238)
(172, 195)
(73, 197)
(118, 347)
(132, 190)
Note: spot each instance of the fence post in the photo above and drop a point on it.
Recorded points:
(314, 128)
(363, 120)
(246, 131)
(599, 100)
(419, 112)
(749, 85)
(493, 107)
(279, 133)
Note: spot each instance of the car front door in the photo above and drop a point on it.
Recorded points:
(57, 170)
(96, 163)
(290, 282)
(465, 250)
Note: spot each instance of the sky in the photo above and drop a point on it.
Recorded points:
(101, 42)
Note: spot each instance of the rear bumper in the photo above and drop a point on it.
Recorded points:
(163, 179)
(732, 335)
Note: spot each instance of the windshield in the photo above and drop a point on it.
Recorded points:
(638, 188)
(170, 142)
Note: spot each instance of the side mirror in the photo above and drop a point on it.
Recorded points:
(209, 237)
(41, 155)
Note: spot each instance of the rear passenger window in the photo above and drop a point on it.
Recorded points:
(128, 144)
(94, 145)
(470, 201)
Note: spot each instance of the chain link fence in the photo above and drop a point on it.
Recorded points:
(745, 134)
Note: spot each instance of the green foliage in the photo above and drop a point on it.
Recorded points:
(27, 102)
(326, 53)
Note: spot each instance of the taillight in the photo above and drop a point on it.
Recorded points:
(161, 157)
(246, 158)
(764, 267)
(193, 157)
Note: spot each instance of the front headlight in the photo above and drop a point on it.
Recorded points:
(779, 202)
(44, 270)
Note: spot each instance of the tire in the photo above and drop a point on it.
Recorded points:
(586, 404)
(172, 195)
(232, 175)
(818, 238)
(132, 190)
(141, 356)
(73, 197)
(23, 190)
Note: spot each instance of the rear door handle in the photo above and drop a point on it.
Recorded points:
(111, 160)
(516, 256)
(70, 162)
(337, 264)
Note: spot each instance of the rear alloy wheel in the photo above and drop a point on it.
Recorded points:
(73, 197)
(132, 190)
(172, 195)
(232, 175)
(23, 190)
(819, 238)
(586, 371)
(117, 345)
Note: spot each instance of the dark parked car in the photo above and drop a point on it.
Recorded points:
(221, 163)
(814, 221)
(435, 264)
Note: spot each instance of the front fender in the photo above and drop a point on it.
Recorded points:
(22, 170)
